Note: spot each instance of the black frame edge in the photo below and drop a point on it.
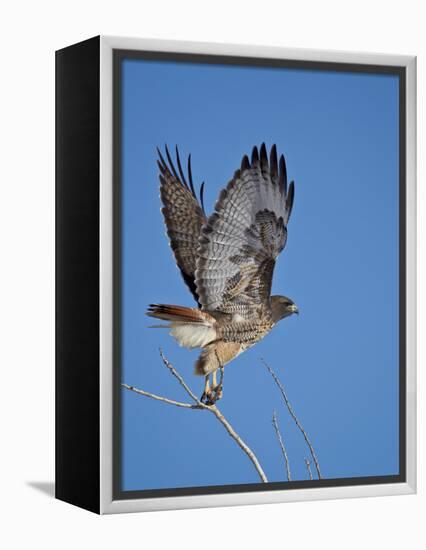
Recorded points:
(77, 454)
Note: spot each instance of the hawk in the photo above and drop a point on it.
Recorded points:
(226, 259)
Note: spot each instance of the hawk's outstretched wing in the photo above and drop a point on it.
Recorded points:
(243, 237)
(183, 215)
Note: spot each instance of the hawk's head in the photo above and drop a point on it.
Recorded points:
(282, 307)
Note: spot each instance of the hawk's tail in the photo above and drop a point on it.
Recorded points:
(191, 327)
(168, 312)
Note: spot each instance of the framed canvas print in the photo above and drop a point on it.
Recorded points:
(235, 274)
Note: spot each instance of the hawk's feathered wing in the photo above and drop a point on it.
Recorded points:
(183, 215)
(243, 237)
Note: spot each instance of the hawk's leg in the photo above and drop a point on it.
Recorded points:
(205, 398)
(218, 388)
(215, 392)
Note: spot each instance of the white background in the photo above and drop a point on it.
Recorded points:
(30, 32)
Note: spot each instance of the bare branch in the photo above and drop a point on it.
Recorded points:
(159, 398)
(238, 440)
(308, 467)
(179, 378)
(199, 405)
(293, 415)
(281, 442)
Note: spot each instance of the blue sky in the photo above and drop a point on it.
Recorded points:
(339, 359)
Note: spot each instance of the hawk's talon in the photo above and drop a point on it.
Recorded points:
(218, 391)
(210, 397)
(205, 398)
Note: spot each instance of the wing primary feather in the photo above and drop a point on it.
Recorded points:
(289, 200)
(264, 165)
(273, 163)
(161, 163)
(172, 166)
(255, 157)
(202, 197)
(283, 175)
(263, 154)
(182, 175)
(191, 181)
(245, 163)
(161, 167)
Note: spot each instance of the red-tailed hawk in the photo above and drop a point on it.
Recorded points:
(227, 259)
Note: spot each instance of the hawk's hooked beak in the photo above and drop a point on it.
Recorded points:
(294, 309)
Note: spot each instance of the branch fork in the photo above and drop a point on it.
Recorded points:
(197, 404)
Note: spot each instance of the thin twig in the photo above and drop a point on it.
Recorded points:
(179, 378)
(238, 440)
(308, 467)
(281, 442)
(198, 406)
(293, 415)
(160, 398)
